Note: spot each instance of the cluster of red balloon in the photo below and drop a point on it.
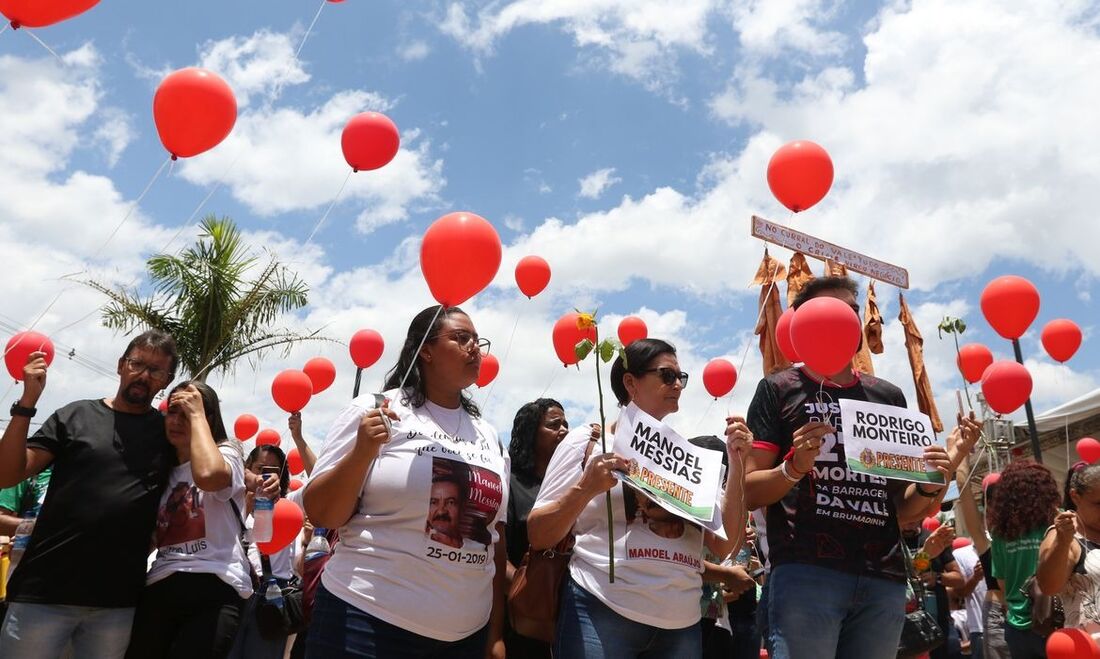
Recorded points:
(20, 347)
(35, 13)
(1010, 304)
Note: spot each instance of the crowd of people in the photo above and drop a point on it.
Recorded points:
(137, 533)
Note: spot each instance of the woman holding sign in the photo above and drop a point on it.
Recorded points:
(652, 607)
(416, 482)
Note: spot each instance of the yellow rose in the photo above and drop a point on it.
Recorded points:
(585, 321)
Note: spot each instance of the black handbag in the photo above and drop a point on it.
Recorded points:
(921, 631)
(276, 622)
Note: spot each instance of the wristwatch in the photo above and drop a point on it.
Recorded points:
(19, 410)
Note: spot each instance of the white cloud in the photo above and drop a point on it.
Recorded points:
(260, 64)
(414, 51)
(775, 27)
(596, 183)
(283, 159)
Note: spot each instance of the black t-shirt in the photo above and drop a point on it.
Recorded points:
(833, 517)
(521, 498)
(94, 533)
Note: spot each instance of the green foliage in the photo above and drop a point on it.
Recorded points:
(951, 325)
(217, 299)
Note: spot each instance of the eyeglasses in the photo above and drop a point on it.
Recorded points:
(465, 340)
(669, 376)
(137, 367)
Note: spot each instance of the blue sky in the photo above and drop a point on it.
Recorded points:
(963, 150)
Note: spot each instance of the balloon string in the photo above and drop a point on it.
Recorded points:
(133, 206)
(507, 349)
(301, 44)
(5, 28)
(330, 206)
(705, 413)
(415, 355)
(49, 50)
(759, 315)
(551, 382)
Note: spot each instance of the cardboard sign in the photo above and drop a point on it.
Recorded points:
(800, 242)
(887, 441)
(680, 477)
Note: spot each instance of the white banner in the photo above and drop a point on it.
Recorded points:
(887, 441)
(680, 477)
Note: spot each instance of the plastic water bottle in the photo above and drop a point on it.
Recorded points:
(263, 512)
(21, 539)
(273, 594)
(318, 545)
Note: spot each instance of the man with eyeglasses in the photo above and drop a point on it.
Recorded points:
(84, 567)
(832, 533)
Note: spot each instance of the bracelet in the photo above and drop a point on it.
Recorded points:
(787, 474)
(927, 495)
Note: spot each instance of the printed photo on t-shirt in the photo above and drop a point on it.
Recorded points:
(463, 502)
(181, 518)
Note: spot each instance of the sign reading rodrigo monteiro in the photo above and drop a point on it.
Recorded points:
(681, 477)
(887, 441)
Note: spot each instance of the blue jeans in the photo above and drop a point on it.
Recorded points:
(339, 629)
(816, 612)
(42, 631)
(588, 629)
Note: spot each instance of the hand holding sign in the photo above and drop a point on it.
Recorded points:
(597, 477)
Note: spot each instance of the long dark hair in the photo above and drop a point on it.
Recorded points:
(210, 405)
(284, 472)
(1027, 498)
(414, 393)
(639, 355)
(525, 427)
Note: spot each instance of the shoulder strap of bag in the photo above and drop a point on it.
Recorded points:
(240, 518)
(910, 572)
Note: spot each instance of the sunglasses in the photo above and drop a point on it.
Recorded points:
(669, 376)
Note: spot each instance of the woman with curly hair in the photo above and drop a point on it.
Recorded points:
(1026, 503)
(538, 428)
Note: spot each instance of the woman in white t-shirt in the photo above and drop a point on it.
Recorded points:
(199, 581)
(417, 483)
(652, 608)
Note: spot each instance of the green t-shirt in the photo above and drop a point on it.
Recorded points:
(26, 497)
(1014, 561)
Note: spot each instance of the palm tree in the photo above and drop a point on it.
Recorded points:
(209, 300)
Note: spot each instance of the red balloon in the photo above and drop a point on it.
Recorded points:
(321, 373)
(959, 543)
(295, 484)
(163, 407)
(370, 141)
(783, 336)
(532, 275)
(1061, 339)
(1006, 386)
(489, 369)
(459, 256)
(930, 524)
(800, 174)
(245, 426)
(286, 524)
(990, 479)
(1089, 449)
(826, 333)
(37, 13)
(566, 336)
(194, 110)
(366, 347)
(294, 461)
(21, 346)
(291, 390)
(631, 329)
(1071, 644)
(972, 361)
(719, 376)
(268, 437)
(1010, 304)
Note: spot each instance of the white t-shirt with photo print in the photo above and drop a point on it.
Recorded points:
(199, 532)
(658, 580)
(418, 552)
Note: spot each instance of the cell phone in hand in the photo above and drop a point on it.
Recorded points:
(269, 471)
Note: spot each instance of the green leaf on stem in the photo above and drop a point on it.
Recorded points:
(607, 350)
(583, 348)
